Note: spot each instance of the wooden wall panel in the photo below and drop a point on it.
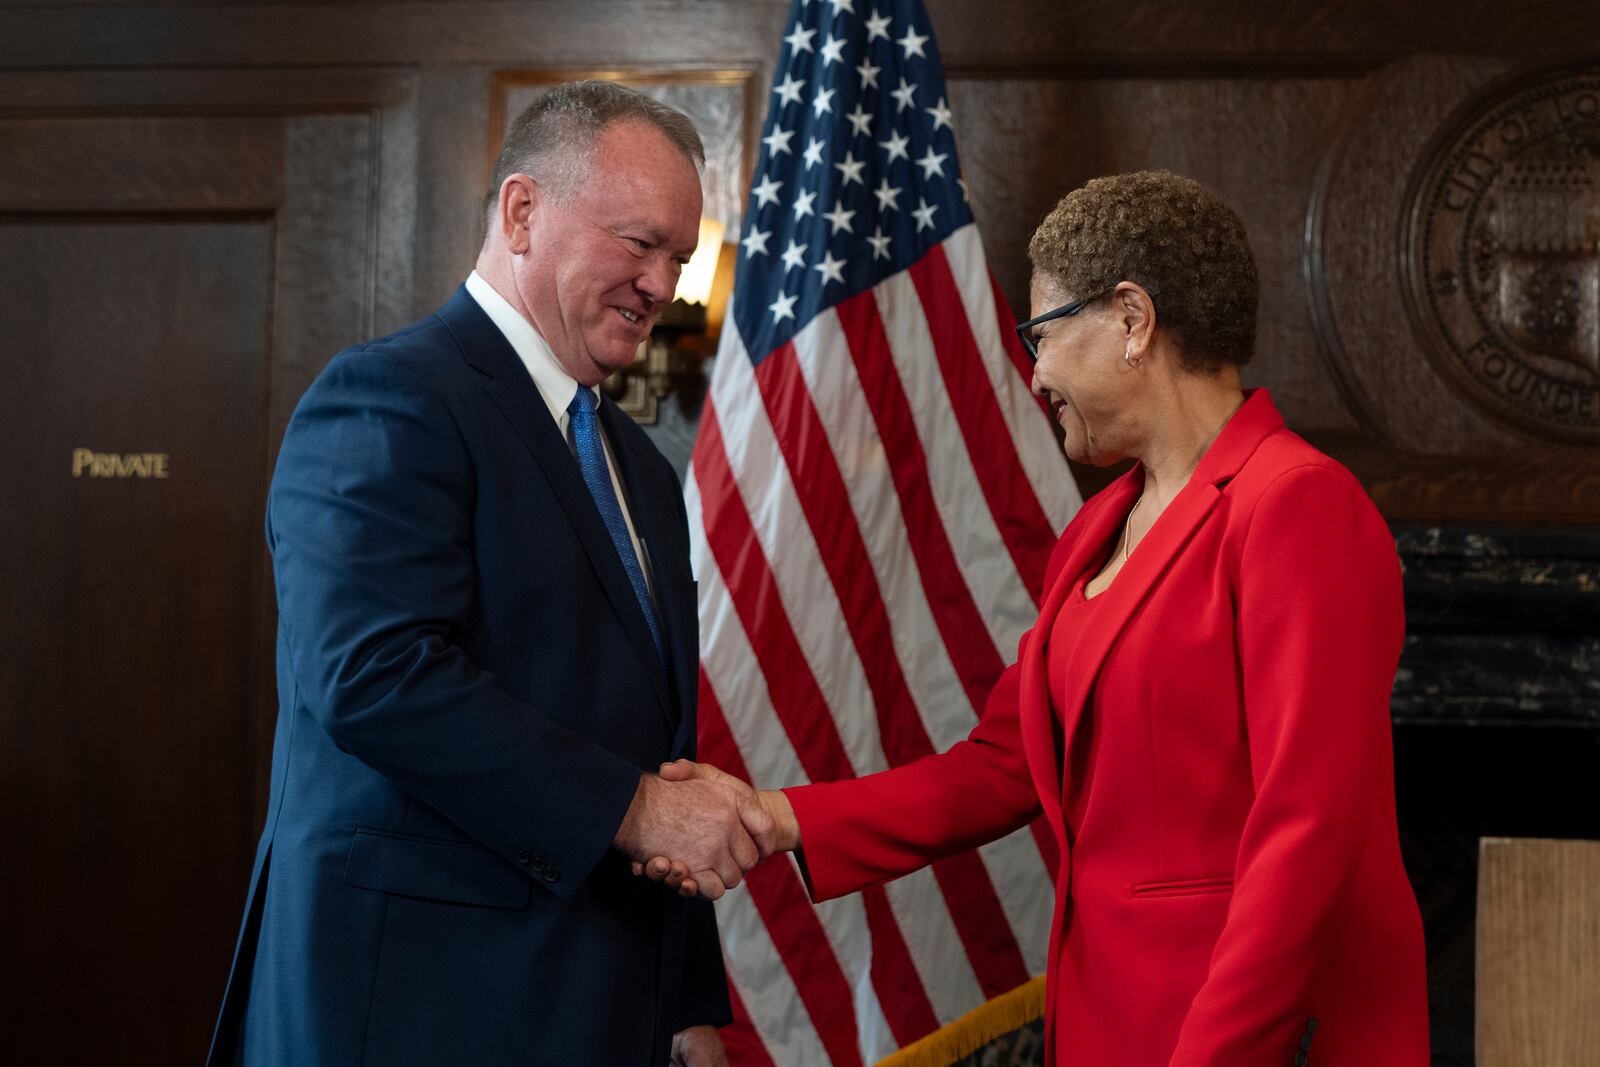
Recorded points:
(1066, 39)
(178, 263)
(452, 176)
(127, 672)
(114, 165)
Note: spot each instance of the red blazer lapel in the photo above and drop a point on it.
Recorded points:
(1250, 425)
(1148, 562)
(1255, 421)
(1100, 517)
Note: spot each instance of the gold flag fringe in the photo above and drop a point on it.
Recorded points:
(966, 1035)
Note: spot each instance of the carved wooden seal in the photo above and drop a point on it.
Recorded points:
(1501, 252)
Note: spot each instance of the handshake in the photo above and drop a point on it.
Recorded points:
(699, 829)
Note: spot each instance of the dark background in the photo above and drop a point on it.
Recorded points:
(201, 202)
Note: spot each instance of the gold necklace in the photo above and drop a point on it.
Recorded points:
(1127, 529)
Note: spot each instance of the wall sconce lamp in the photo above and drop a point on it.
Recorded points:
(685, 334)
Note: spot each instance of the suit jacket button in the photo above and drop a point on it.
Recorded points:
(1311, 1025)
(522, 856)
(550, 874)
(1300, 1059)
(1305, 1042)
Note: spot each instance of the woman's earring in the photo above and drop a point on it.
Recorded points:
(1130, 359)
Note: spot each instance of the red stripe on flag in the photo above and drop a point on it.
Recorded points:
(977, 663)
(740, 1040)
(798, 702)
(826, 502)
(891, 964)
(1021, 521)
(732, 538)
(981, 922)
(796, 933)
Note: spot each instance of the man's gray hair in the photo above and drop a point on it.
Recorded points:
(553, 140)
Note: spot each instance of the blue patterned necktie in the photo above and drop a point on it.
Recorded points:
(597, 476)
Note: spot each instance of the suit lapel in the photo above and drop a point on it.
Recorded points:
(676, 611)
(512, 391)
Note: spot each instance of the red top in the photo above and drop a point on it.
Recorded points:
(1063, 661)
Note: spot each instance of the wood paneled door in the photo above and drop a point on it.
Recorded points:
(172, 278)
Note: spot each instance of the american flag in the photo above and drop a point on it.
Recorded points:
(873, 496)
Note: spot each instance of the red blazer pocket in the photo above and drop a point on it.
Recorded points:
(1188, 887)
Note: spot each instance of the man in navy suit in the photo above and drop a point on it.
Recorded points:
(487, 641)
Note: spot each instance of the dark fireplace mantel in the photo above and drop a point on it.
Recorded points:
(1503, 626)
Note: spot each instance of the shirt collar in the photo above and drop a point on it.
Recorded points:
(555, 385)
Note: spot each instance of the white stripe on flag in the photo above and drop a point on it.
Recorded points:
(817, 620)
(858, 449)
(1014, 863)
(771, 758)
(985, 561)
(699, 551)
(768, 991)
(936, 947)
(804, 589)
(1036, 444)
(1027, 894)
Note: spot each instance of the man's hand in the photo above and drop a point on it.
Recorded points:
(698, 1046)
(680, 874)
(711, 828)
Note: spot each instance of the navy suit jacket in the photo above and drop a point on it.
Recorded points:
(468, 694)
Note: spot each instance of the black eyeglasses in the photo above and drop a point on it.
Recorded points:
(1025, 329)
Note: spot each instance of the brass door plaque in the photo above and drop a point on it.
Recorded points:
(87, 463)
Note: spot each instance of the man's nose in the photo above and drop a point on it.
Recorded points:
(659, 281)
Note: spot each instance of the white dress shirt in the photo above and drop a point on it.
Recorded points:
(555, 385)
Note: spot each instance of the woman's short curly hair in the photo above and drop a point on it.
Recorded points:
(1183, 245)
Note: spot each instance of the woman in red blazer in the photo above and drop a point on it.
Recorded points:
(1201, 710)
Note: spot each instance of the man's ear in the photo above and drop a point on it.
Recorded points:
(520, 198)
